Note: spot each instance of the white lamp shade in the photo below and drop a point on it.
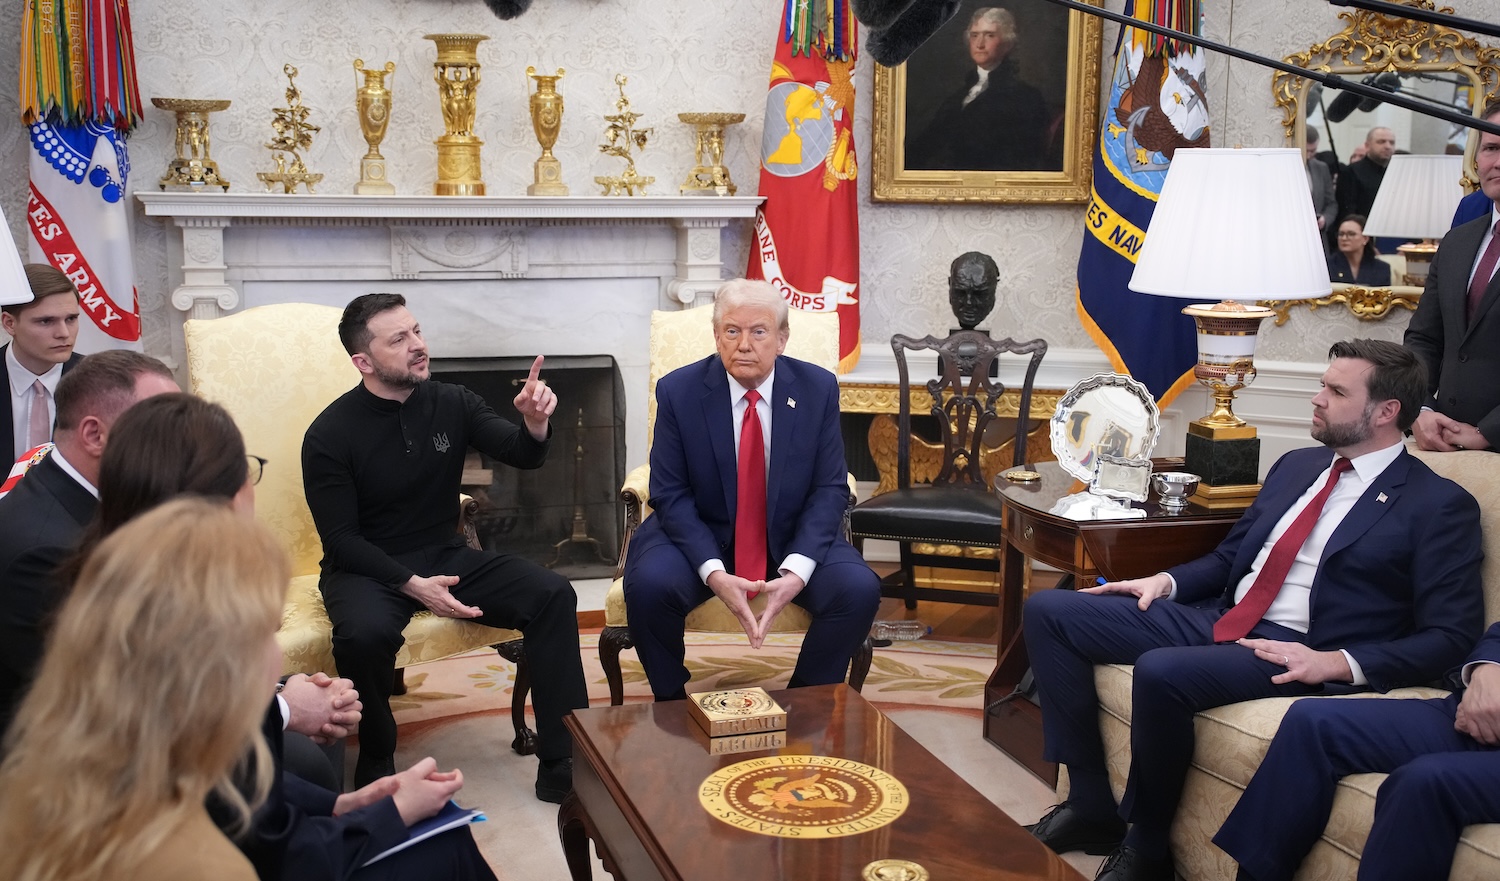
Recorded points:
(14, 288)
(1233, 224)
(1417, 197)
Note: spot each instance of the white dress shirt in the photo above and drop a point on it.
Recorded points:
(797, 564)
(21, 381)
(1292, 607)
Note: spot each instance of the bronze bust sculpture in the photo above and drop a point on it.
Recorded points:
(971, 288)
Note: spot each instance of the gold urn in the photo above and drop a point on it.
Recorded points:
(457, 73)
(546, 121)
(373, 101)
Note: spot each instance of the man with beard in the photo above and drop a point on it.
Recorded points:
(1356, 569)
(381, 467)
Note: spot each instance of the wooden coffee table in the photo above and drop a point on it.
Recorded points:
(638, 770)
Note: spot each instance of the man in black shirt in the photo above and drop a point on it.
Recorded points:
(381, 467)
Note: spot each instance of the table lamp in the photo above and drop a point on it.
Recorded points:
(14, 288)
(1416, 200)
(1233, 225)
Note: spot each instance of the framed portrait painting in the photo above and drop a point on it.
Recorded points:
(1000, 105)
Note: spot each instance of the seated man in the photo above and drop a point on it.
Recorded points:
(777, 516)
(1443, 757)
(42, 520)
(381, 467)
(1357, 568)
(42, 333)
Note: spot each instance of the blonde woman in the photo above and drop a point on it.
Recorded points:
(152, 690)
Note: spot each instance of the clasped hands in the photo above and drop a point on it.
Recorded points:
(1443, 434)
(1302, 664)
(323, 708)
(735, 592)
(1479, 711)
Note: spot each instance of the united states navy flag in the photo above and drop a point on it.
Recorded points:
(1157, 105)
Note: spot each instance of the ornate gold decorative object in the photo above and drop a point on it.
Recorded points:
(373, 101)
(709, 178)
(895, 870)
(1373, 42)
(193, 169)
(546, 120)
(1367, 304)
(293, 133)
(457, 73)
(619, 137)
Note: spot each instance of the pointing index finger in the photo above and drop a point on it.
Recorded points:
(536, 368)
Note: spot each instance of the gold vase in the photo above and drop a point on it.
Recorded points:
(546, 121)
(457, 73)
(193, 169)
(709, 176)
(373, 101)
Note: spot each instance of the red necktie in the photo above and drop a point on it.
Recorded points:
(1239, 621)
(1482, 276)
(750, 507)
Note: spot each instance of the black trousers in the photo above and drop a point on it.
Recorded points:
(512, 592)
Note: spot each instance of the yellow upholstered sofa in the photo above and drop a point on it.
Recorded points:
(677, 339)
(275, 368)
(1232, 740)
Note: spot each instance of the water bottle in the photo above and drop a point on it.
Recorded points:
(885, 632)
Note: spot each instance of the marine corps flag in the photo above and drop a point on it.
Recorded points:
(1157, 105)
(807, 230)
(78, 99)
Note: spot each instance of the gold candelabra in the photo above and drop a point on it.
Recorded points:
(457, 74)
(373, 101)
(293, 134)
(619, 137)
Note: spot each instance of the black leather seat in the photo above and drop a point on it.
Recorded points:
(958, 507)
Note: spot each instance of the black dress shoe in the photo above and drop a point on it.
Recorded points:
(1063, 829)
(554, 780)
(1126, 864)
(368, 769)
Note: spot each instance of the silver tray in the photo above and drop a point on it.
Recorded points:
(1106, 413)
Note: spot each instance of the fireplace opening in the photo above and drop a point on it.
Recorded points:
(567, 514)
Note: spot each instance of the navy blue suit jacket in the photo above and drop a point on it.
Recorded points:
(1398, 586)
(694, 469)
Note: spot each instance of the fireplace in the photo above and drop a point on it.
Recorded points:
(565, 515)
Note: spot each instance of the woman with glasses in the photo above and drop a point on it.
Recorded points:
(1355, 262)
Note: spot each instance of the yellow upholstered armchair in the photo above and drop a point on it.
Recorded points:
(677, 339)
(275, 368)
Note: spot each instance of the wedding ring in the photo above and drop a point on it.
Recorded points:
(1284, 661)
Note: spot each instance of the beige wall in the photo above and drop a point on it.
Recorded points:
(679, 56)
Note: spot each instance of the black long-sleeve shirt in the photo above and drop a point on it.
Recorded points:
(382, 477)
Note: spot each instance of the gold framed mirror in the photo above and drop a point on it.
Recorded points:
(1417, 58)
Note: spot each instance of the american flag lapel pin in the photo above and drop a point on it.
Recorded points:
(791, 403)
(1381, 498)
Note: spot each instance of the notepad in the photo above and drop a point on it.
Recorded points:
(450, 817)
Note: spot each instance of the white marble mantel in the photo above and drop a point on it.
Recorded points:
(485, 275)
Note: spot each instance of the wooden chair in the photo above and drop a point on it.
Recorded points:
(275, 368)
(957, 506)
(677, 339)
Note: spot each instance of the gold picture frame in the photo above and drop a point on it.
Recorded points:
(1057, 53)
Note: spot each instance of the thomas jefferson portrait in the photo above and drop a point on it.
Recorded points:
(986, 93)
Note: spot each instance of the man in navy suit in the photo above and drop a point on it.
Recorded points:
(1456, 328)
(1376, 587)
(695, 545)
(1442, 755)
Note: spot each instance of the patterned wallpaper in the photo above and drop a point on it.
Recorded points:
(679, 57)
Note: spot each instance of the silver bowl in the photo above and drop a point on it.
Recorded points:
(1174, 487)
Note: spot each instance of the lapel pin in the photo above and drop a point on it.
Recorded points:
(1381, 498)
(791, 403)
